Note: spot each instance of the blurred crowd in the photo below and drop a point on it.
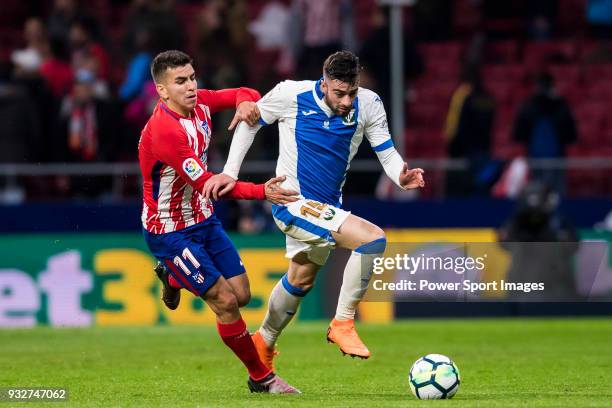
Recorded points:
(75, 83)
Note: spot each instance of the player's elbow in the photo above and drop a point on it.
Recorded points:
(253, 93)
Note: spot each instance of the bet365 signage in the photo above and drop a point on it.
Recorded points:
(106, 280)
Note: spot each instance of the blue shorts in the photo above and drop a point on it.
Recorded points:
(198, 255)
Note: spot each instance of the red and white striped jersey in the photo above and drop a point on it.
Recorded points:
(173, 160)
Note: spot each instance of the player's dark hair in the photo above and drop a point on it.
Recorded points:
(343, 66)
(167, 60)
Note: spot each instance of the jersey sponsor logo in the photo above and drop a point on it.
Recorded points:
(349, 118)
(310, 112)
(192, 169)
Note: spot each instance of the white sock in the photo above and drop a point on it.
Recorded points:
(282, 306)
(356, 279)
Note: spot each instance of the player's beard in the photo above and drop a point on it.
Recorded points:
(336, 109)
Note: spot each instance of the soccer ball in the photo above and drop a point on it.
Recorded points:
(434, 377)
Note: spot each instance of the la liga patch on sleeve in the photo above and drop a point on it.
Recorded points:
(192, 168)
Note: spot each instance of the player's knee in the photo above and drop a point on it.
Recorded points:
(243, 297)
(375, 242)
(377, 234)
(227, 302)
(298, 285)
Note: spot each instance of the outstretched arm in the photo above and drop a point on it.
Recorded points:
(377, 133)
(241, 143)
(172, 149)
(271, 107)
(242, 99)
(397, 170)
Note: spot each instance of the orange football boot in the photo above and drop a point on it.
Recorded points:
(266, 354)
(342, 332)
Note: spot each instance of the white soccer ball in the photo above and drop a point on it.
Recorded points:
(434, 377)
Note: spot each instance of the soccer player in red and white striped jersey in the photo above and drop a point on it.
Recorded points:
(180, 226)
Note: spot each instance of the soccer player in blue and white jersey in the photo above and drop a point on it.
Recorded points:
(321, 124)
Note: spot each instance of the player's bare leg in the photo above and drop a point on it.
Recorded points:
(232, 329)
(242, 289)
(366, 241)
(171, 290)
(283, 304)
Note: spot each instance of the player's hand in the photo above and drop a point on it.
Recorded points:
(218, 185)
(248, 112)
(411, 178)
(277, 195)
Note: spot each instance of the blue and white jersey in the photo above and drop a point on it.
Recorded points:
(316, 145)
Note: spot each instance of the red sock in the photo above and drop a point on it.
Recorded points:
(236, 336)
(174, 283)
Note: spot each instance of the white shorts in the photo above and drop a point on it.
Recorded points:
(308, 225)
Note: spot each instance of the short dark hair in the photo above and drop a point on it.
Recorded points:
(343, 66)
(168, 59)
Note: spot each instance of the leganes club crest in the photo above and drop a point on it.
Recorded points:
(349, 118)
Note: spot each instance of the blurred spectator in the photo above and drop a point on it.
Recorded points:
(320, 28)
(221, 58)
(504, 19)
(530, 235)
(542, 14)
(545, 124)
(63, 15)
(27, 61)
(91, 121)
(20, 138)
(433, 19)
(375, 57)
(468, 135)
(88, 54)
(56, 70)
(138, 70)
(599, 15)
(159, 19)
(222, 44)
(272, 30)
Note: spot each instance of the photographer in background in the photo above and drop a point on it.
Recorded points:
(530, 237)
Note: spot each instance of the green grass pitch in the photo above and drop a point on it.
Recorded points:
(503, 363)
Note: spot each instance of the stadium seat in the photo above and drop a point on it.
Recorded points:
(501, 52)
(538, 54)
(565, 72)
(599, 71)
(599, 91)
(566, 20)
(426, 115)
(432, 92)
(509, 73)
(502, 92)
(445, 51)
(466, 16)
(441, 71)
